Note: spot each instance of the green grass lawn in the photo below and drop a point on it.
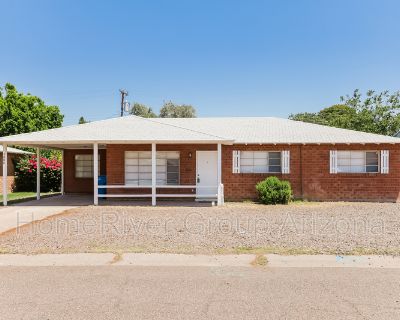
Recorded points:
(23, 196)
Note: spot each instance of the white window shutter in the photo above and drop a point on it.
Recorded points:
(236, 161)
(385, 161)
(333, 161)
(285, 162)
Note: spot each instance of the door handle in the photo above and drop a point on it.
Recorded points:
(198, 179)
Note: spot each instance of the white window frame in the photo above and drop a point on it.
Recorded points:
(338, 159)
(89, 166)
(140, 166)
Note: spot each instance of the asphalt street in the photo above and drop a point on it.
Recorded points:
(124, 292)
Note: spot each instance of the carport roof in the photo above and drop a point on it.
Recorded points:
(128, 129)
(15, 151)
(133, 129)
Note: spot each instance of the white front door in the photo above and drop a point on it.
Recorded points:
(206, 174)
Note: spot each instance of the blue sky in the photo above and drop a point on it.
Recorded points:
(227, 58)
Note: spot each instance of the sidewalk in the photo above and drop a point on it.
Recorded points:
(175, 260)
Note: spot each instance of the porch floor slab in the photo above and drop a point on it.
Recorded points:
(19, 214)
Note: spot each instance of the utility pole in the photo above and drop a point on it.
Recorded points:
(124, 93)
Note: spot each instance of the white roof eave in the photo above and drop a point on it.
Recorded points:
(81, 142)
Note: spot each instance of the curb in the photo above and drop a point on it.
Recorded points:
(332, 261)
(182, 260)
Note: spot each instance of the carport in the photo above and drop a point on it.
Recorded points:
(144, 169)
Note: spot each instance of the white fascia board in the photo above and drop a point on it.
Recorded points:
(80, 142)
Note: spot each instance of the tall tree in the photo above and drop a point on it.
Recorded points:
(171, 110)
(22, 113)
(82, 120)
(376, 113)
(141, 110)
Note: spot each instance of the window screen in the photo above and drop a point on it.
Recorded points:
(138, 168)
(84, 165)
(260, 162)
(357, 161)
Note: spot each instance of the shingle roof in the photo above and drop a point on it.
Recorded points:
(132, 129)
(123, 129)
(276, 130)
(13, 150)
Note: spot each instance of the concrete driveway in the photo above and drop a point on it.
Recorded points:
(17, 215)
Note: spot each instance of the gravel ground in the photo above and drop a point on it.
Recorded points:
(347, 228)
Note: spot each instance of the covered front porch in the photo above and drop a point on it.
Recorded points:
(140, 171)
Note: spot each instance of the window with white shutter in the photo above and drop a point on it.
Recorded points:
(333, 161)
(236, 161)
(286, 162)
(385, 161)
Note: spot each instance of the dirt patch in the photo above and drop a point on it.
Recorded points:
(314, 228)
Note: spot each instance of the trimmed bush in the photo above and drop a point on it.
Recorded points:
(50, 174)
(274, 191)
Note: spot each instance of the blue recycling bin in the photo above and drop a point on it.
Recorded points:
(102, 181)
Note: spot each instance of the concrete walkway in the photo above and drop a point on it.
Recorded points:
(181, 260)
(19, 214)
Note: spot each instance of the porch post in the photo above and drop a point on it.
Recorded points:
(219, 174)
(62, 172)
(153, 174)
(37, 173)
(95, 173)
(5, 163)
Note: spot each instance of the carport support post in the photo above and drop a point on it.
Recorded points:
(219, 173)
(219, 179)
(37, 173)
(153, 174)
(62, 172)
(95, 174)
(5, 163)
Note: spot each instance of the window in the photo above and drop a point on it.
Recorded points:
(138, 168)
(84, 165)
(357, 161)
(260, 162)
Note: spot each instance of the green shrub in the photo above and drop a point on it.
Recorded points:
(274, 191)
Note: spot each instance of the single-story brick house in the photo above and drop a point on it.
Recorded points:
(12, 155)
(221, 158)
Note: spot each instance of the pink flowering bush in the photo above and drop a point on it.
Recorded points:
(50, 174)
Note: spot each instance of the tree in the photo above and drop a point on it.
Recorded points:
(22, 113)
(306, 117)
(338, 115)
(171, 110)
(141, 110)
(82, 120)
(377, 113)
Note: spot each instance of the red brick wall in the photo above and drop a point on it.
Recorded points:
(80, 185)
(309, 172)
(310, 177)
(10, 172)
(319, 184)
(10, 184)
